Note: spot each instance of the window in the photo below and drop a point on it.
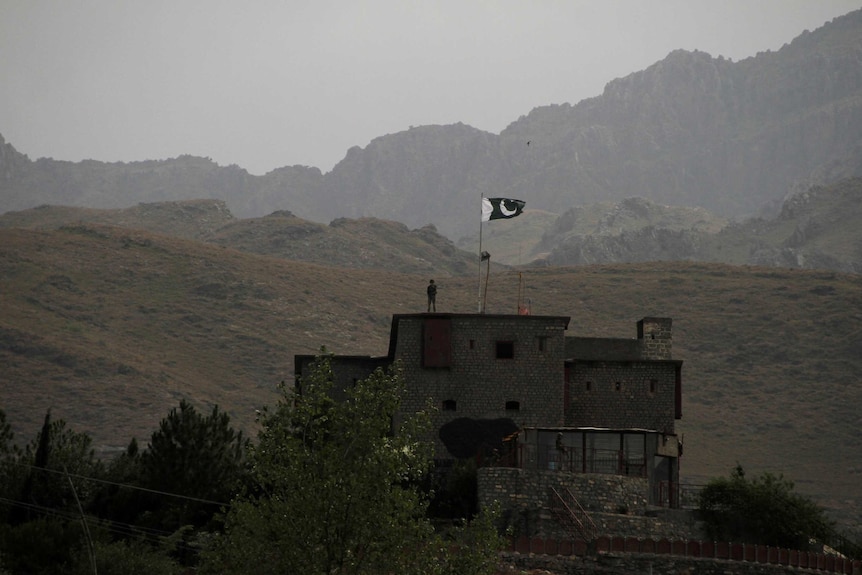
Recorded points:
(472, 344)
(513, 406)
(618, 386)
(449, 405)
(589, 386)
(505, 350)
(542, 342)
(653, 385)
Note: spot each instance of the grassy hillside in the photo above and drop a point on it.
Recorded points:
(111, 327)
(359, 243)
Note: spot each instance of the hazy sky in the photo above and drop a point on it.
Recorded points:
(265, 84)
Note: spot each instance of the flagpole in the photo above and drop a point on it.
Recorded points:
(481, 202)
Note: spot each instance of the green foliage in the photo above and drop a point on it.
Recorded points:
(336, 487)
(43, 545)
(762, 510)
(476, 544)
(48, 474)
(115, 501)
(191, 455)
(11, 475)
(128, 557)
(456, 493)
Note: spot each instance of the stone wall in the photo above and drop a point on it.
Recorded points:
(638, 394)
(617, 504)
(477, 383)
(655, 332)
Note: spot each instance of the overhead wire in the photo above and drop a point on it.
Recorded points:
(151, 534)
(111, 525)
(126, 485)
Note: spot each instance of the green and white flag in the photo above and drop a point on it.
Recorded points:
(501, 208)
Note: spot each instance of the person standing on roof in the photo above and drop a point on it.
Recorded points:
(432, 296)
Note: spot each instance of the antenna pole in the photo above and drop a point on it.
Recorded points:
(487, 273)
(480, 252)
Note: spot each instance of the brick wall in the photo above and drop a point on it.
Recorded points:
(618, 394)
(480, 384)
(655, 332)
(617, 504)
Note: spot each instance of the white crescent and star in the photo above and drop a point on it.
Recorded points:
(505, 211)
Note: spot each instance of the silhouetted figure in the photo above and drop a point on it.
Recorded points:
(432, 296)
(561, 451)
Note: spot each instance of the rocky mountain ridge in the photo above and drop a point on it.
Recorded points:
(691, 130)
(815, 229)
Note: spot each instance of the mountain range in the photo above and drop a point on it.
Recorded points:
(735, 138)
(816, 229)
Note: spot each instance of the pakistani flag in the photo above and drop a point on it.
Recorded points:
(501, 208)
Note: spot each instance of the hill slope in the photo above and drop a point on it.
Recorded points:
(366, 243)
(111, 327)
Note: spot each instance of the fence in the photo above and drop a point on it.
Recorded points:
(684, 548)
(681, 496)
(608, 461)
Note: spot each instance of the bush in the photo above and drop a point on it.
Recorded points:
(763, 510)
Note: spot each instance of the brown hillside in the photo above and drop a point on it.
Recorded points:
(361, 243)
(112, 327)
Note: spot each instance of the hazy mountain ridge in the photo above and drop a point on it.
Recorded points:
(816, 229)
(690, 130)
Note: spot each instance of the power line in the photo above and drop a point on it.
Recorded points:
(113, 526)
(125, 485)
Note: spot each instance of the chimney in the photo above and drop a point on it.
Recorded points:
(655, 336)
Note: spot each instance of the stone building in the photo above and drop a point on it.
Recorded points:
(542, 409)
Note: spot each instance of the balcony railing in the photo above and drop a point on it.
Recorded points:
(609, 461)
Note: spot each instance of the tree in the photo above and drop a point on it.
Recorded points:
(198, 457)
(55, 467)
(44, 482)
(11, 475)
(336, 487)
(762, 510)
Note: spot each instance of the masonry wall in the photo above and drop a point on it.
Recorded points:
(655, 333)
(617, 504)
(476, 382)
(622, 394)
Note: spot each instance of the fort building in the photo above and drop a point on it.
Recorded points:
(577, 422)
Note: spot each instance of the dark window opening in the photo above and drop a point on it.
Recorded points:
(542, 340)
(589, 386)
(449, 405)
(513, 406)
(505, 350)
(653, 385)
(472, 343)
(618, 386)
